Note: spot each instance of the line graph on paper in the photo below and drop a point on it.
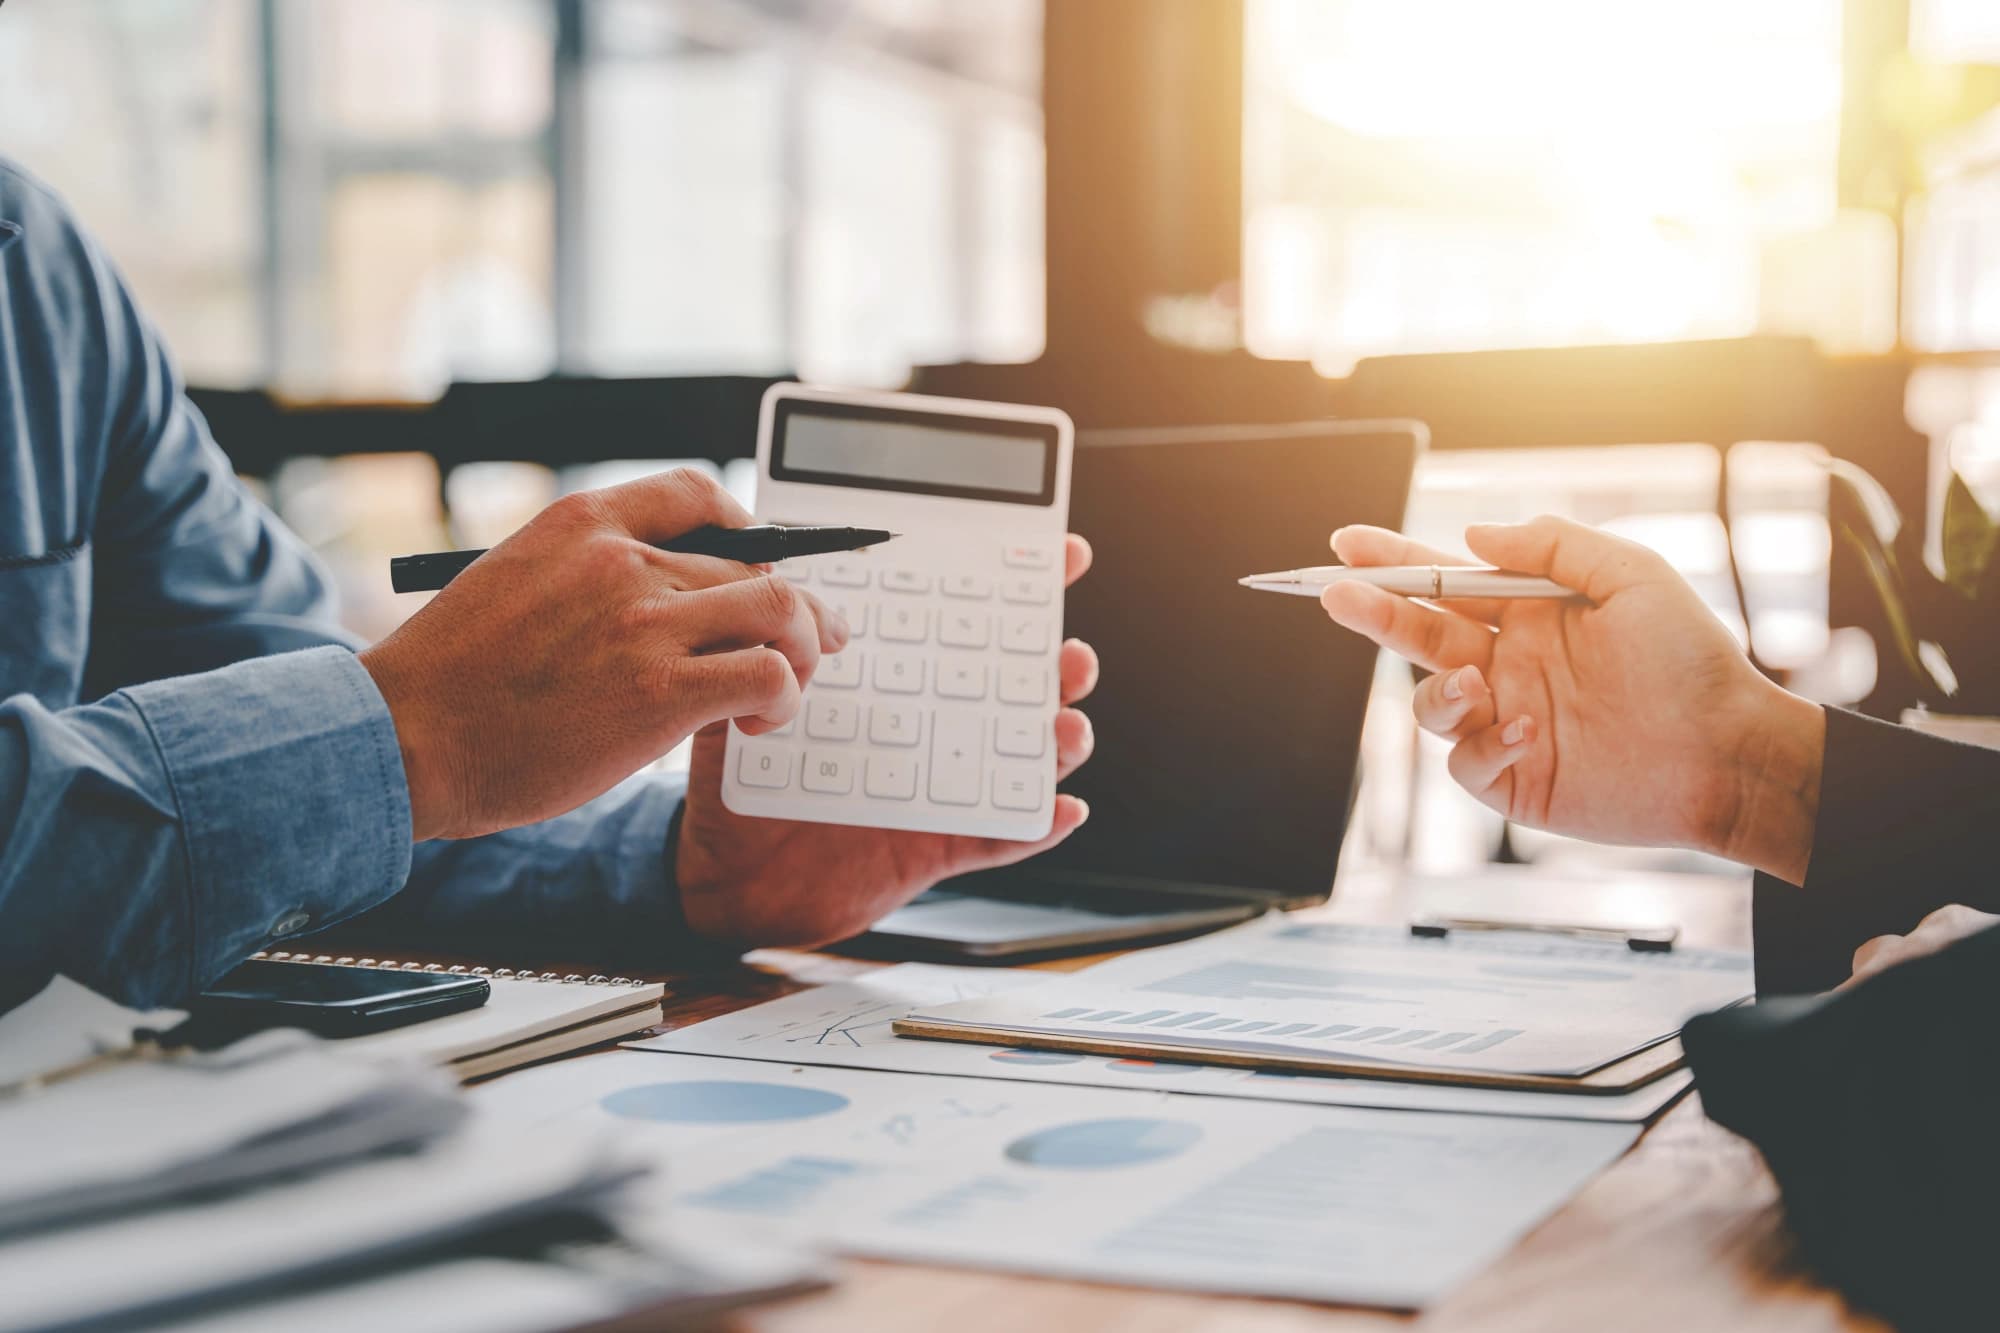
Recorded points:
(851, 1016)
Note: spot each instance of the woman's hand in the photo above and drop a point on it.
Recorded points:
(1630, 718)
(1942, 928)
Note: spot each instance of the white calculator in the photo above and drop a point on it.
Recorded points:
(939, 716)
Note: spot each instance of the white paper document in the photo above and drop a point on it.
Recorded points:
(848, 1024)
(1498, 1002)
(1332, 1204)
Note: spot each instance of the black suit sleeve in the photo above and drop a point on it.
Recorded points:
(1875, 1109)
(1907, 823)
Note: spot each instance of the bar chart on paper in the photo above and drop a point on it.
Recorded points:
(1507, 1003)
(1186, 1022)
(850, 1024)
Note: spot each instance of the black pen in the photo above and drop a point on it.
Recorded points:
(760, 545)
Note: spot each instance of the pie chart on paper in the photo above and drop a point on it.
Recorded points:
(1094, 1145)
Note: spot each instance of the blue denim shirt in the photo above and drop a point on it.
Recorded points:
(193, 765)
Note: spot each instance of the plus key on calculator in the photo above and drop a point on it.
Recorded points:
(939, 715)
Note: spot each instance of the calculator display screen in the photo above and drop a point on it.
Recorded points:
(841, 444)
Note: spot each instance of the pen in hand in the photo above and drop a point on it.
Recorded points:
(1429, 581)
(757, 545)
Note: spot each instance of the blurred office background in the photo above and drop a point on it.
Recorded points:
(432, 262)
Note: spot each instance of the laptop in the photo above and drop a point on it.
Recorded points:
(1228, 722)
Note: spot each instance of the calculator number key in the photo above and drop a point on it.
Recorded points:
(903, 623)
(851, 609)
(899, 673)
(842, 671)
(832, 719)
(895, 724)
(828, 771)
(763, 765)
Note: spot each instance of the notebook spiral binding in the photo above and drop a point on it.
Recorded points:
(455, 970)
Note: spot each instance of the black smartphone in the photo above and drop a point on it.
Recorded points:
(334, 1001)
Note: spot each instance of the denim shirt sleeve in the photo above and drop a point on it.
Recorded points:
(153, 839)
(594, 888)
(220, 774)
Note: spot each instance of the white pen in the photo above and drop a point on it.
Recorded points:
(1431, 581)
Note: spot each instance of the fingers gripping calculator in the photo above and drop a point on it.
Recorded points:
(939, 715)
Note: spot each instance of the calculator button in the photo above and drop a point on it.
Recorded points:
(1020, 737)
(903, 623)
(1025, 591)
(964, 629)
(1023, 684)
(891, 777)
(1026, 555)
(975, 586)
(905, 580)
(828, 771)
(895, 724)
(839, 573)
(1024, 634)
(961, 677)
(832, 719)
(899, 673)
(763, 765)
(798, 571)
(842, 671)
(956, 767)
(1014, 787)
(851, 609)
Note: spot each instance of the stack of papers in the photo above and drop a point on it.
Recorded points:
(851, 1024)
(202, 1185)
(136, 1133)
(1343, 1187)
(1508, 1009)
(1135, 1185)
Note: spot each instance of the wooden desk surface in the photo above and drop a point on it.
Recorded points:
(1683, 1233)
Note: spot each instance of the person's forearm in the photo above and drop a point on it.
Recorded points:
(593, 887)
(1776, 773)
(153, 840)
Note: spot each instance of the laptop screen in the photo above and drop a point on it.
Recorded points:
(1228, 721)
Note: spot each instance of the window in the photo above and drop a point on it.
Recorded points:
(1426, 175)
(372, 198)
(147, 117)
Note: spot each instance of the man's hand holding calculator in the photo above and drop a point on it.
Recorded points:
(763, 881)
(930, 743)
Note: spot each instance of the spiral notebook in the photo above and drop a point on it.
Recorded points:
(529, 1016)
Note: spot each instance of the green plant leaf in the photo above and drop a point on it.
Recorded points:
(1881, 571)
(1969, 537)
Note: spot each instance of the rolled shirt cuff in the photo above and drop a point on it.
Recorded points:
(294, 808)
